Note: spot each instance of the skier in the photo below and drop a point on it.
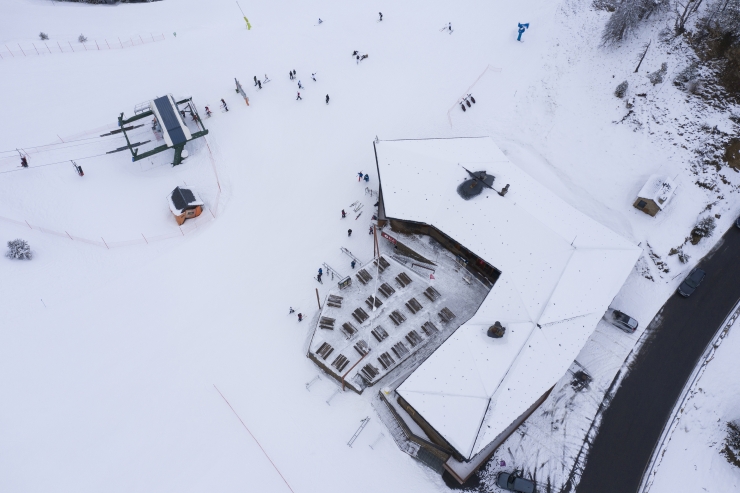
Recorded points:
(381, 16)
(364, 56)
(24, 163)
(259, 84)
(255, 80)
(223, 103)
(360, 175)
(318, 278)
(522, 28)
(353, 264)
(313, 76)
(79, 171)
(371, 230)
(349, 232)
(327, 99)
(367, 178)
(300, 86)
(299, 97)
(300, 317)
(358, 59)
(290, 74)
(294, 73)
(344, 214)
(291, 310)
(449, 27)
(354, 53)
(320, 21)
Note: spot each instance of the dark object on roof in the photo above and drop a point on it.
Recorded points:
(475, 185)
(170, 120)
(496, 330)
(182, 198)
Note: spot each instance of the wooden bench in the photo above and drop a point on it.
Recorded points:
(386, 360)
(327, 323)
(349, 329)
(383, 264)
(400, 350)
(325, 350)
(369, 301)
(429, 328)
(414, 338)
(403, 279)
(360, 315)
(362, 347)
(413, 305)
(340, 362)
(386, 290)
(363, 276)
(379, 333)
(432, 294)
(335, 301)
(446, 315)
(369, 372)
(397, 317)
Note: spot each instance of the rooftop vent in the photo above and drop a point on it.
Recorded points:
(475, 184)
(496, 331)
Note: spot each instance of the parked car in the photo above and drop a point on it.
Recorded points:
(623, 321)
(692, 281)
(512, 482)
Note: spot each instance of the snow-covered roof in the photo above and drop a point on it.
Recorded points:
(560, 271)
(659, 189)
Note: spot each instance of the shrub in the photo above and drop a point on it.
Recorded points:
(657, 76)
(82, 38)
(43, 36)
(19, 249)
(703, 229)
(621, 89)
(731, 451)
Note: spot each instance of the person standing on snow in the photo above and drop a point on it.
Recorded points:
(300, 86)
(327, 99)
(255, 80)
(353, 263)
(313, 76)
(224, 104)
(290, 74)
(266, 79)
(24, 163)
(367, 178)
(259, 84)
(371, 230)
(360, 175)
(381, 16)
(208, 112)
(522, 28)
(321, 273)
(299, 97)
(344, 214)
(349, 232)
(291, 310)
(300, 317)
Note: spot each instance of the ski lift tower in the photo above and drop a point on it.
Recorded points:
(175, 132)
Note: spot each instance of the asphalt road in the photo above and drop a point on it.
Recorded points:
(634, 420)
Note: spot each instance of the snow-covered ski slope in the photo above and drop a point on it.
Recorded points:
(110, 356)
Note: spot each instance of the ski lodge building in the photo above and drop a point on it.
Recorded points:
(553, 272)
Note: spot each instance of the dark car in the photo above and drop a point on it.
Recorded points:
(692, 281)
(512, 482)
(623, 321)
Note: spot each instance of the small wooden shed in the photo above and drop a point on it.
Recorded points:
(184, 204)
(655, 195)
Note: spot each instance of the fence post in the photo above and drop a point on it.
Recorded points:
(142, 41)
(96, 44)
(60, 47)
(106, 245)
(119, 41)
(34, 47)
(106, 42)
(147, 241)
(70, 46)
(19, 46)
(47, 47)
(11, 53)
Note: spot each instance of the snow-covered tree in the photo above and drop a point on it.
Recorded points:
(82, 38)
(657, 76)
(621, 89)
(627, 15)
(19, 249)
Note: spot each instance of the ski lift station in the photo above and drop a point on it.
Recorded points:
(174, 124)
(476, 305)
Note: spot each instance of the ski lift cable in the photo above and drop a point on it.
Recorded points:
(57, 143)
(57, 162)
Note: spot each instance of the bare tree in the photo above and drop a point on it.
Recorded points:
(626, 17)
(684, 11)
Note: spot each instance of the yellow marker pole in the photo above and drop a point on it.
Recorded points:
(249, 26)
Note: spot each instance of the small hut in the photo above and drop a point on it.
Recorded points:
(184, 204)
(655, 195)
